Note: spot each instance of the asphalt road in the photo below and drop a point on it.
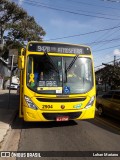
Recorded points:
(99, 134)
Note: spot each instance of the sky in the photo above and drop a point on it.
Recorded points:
(88, 22)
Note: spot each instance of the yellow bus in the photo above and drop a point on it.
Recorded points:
(57, 82)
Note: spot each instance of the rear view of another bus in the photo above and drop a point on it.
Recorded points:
(57, 82)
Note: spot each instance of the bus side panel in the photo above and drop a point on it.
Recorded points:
(21, 94)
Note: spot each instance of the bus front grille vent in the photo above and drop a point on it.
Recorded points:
(53, 116)
(61, 99)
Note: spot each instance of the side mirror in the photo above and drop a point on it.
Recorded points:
(22, 51)
(21, 62)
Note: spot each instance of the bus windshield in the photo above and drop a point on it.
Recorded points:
(48, 74)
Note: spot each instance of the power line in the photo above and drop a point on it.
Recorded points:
(93, 5)
(99, 13)
(107, 63)
(116, 1)
(103, 57)
(107, 36)
(79, 34)
(103, 41)
(63, 10)
(105, 48)
(104, 36)
(83, 34)
(107, 42)
(71, 36)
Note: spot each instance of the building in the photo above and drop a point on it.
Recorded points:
(5, 73)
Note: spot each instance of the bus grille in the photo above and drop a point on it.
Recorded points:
(61, 100)
(53, 116)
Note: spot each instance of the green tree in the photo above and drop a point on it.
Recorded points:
(26, 30)
(110, 74)
(10, 13)
(19, 25)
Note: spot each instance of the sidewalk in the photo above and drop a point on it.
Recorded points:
(8, 109)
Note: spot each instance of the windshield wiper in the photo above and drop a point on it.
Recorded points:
(51, 62)
(71, 64)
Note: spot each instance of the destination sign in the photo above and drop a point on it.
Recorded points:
(58, 48)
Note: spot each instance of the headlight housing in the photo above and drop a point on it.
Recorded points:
(90, 103)
(30, 103)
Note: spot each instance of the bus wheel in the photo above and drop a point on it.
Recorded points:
(100, 110)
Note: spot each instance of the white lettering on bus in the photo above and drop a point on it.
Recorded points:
(70, 50)
(43, 48)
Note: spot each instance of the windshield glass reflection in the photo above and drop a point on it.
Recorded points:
(50, 75)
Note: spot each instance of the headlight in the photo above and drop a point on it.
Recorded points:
(90, 103)
(30, 103)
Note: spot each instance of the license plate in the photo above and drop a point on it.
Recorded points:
(63, 118)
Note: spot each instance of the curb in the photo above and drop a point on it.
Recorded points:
(6, 127)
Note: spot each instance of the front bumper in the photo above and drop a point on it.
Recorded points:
(38, 115)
